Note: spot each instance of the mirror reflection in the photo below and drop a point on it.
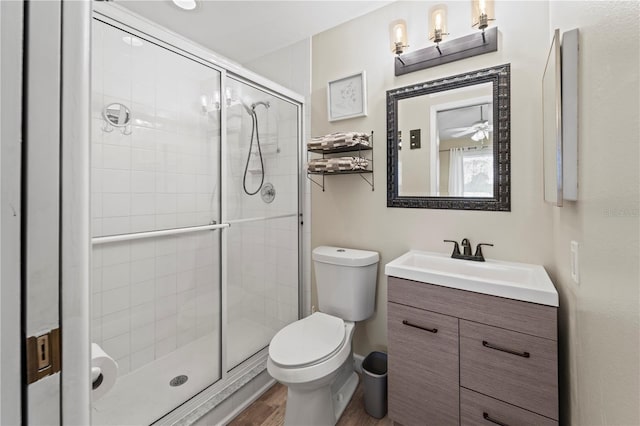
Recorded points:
(445, 143)
(117, 114)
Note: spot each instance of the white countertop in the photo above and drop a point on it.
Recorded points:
(519, 281)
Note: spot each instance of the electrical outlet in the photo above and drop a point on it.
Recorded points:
(575, 275)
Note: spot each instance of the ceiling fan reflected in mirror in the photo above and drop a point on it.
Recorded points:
(479, 131)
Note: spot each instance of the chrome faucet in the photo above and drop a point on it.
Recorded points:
(466, 250)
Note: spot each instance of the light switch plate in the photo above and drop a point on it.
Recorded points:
(575, 275)
(414, 139)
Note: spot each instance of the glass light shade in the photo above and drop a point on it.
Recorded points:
(438, 23)
(398, 36)
(482, 11)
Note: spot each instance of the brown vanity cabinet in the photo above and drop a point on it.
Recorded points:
(423, 356)
(462, 358)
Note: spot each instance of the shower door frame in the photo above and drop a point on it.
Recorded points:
(118, 17)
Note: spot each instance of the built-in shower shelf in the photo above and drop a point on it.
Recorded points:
(359, 148)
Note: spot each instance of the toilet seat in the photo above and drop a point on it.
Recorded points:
(308, 341)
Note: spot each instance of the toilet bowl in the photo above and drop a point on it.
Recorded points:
(313, 356)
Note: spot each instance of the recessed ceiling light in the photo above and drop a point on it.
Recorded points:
(185, 4)
(132, 41)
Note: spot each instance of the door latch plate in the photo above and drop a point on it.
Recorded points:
(43, 355)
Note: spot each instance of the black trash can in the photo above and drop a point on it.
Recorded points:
(374, 382)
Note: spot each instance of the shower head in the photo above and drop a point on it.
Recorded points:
(265, 104)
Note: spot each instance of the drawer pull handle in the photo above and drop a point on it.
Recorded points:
(509, 351)
(489, 419)
(430, 330)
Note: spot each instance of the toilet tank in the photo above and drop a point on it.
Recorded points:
(346, 281)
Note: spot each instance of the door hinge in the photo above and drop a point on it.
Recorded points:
(43, 355)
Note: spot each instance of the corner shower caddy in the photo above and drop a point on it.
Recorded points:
(359, 148)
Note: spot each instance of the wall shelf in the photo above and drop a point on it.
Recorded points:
(360, 149)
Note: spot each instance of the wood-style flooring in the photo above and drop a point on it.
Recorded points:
(268, 410)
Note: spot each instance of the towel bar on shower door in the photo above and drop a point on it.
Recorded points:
(152, 234)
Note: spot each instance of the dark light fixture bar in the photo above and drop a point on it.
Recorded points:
(449, 51)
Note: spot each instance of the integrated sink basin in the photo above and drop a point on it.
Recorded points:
(519, 281)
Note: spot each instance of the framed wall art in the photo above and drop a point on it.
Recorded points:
(347, 97)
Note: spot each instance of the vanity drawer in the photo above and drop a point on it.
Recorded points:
(516, 368)
(480, 410)
(525, 317)
(423, 366)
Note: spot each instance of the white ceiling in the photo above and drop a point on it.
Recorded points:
(451, 122)
(246, 30)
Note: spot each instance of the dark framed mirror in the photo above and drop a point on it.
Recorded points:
(448, 142)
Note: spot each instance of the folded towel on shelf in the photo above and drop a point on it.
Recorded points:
(337, 164)
(338, 140)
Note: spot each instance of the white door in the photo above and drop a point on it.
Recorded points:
(11, 28)
(55, 232)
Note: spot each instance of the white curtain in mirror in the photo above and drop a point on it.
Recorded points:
(456, 173)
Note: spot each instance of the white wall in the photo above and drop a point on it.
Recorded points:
(599, 325)
(349, 214)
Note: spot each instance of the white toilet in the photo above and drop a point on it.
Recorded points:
(313, 356)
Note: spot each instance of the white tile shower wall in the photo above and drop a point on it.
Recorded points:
(165, 173)
(291, 67)
(152, 296)
(262, 282)
(262, 256)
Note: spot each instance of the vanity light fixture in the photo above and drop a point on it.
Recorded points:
(185, 4)
(438, 25)
(482, 12)
(451, 50)
(398, 36)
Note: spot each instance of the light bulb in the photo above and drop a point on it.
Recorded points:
(399, 33)
(398, 36)
(438, 21)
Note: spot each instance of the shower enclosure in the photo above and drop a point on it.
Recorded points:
(192, 275)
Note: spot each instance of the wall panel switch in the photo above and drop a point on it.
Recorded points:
(414, 139)
(575, 275)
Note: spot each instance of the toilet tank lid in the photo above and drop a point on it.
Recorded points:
(344, 256)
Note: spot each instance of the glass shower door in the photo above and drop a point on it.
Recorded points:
(155, 171)
(261, 204)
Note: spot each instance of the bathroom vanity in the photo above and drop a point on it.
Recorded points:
(458, 356)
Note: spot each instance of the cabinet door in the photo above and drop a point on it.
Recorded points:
(423, 367)
(513, 367)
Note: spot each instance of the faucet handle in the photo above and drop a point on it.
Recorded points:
(479, 249)
(456, 247)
